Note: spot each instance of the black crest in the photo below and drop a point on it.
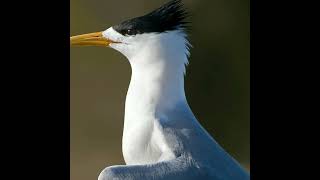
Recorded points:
(168, 17)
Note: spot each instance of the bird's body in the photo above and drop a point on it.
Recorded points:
(160, 130)
(162, 139)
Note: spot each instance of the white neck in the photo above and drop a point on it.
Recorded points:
(158, 68)
(156, 86)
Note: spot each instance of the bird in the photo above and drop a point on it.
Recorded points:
(162, 139)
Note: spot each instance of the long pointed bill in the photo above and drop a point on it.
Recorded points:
(91, 39)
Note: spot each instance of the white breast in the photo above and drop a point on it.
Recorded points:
(143, 139)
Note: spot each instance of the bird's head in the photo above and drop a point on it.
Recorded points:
(156, 32)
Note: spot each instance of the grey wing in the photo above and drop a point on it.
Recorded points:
(177, 169)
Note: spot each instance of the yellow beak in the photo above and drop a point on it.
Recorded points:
(91, 39)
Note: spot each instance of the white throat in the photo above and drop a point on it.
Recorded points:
(159, 84)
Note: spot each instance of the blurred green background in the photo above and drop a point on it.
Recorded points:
(217, 81)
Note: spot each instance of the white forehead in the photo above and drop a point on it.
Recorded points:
(112, 34)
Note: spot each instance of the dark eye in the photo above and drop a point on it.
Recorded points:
(130, 32)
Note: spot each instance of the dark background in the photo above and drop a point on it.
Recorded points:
(217, 80)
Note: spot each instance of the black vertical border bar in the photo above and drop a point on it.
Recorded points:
(35, 67)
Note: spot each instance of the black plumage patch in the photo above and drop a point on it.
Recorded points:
(170, 16)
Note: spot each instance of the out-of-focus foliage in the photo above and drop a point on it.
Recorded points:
(217, 80)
